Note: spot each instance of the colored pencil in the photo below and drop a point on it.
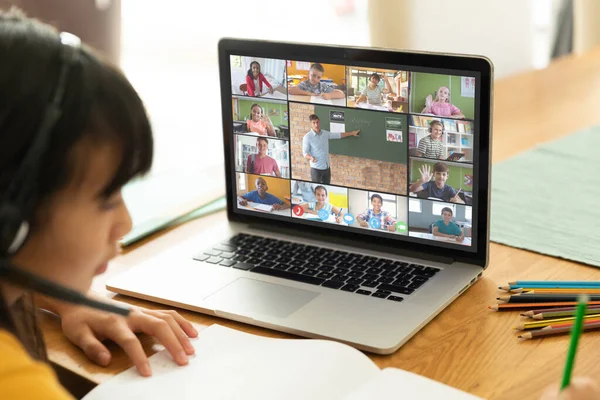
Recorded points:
(531, 287)
(552, 290)
(515, 306)
(575, 334)
(551, 322)
(542, 298)
(561, 283)
(560, 314)
(571, 323)
(542, 310)
(555, 331)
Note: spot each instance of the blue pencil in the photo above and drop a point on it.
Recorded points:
(549, 287)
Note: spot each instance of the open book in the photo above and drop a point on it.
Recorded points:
(230, 364)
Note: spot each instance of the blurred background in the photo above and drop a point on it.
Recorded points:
(168, 49)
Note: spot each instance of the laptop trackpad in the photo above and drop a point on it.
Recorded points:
(249, 297)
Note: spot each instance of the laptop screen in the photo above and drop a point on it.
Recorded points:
(380, 150)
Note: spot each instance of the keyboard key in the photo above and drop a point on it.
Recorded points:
(396, 289)
(212, 252)
(395, 298)
(269, 257)
(415, 285)
(339, 278)
(359, 267)
(403, 282)
(333, 284)
(363, 291)
(227, 263)
(284, 260)
(339, 271)
(310, 272)
(326, 268)
(376, 271)
(355, 281)
(214, 260)
(201, 257)
(243, 251)
(379, 295)
(417, 278)
(297, 263)
(350, 288)
(385, 279)
(325, 275)
(244, 266)
(296, 270)
(372, 284)
(281, 267)
(389, 272)
(384, 292)
(354, 274)
(225, 247)
(268, 264)
(240, 258)
(227, 255)
(370, 277)
(289, 275)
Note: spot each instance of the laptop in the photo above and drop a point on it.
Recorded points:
(326, 236)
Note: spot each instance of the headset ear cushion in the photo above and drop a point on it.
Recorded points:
(13, 229)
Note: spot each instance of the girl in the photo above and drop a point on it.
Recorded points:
(441, 105)
(93, 136)
(373, 92)
(255, 80)
(321, 204)
(260, 123)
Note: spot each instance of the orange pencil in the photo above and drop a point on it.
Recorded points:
(567, 324)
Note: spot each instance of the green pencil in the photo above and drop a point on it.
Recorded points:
(575, 333)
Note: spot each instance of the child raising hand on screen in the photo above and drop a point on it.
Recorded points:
(441, 105)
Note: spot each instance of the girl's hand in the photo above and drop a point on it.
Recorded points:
(87, 328)
(428, 101)
(363, 223)
(579, 389)
(270, 90)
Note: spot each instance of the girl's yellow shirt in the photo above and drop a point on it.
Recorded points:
(22, 377)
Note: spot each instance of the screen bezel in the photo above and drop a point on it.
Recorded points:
(477, 66)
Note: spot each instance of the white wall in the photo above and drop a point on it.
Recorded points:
(500, 30)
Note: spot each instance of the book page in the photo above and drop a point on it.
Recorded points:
(230, 364)
(395, 383)
(262, 207)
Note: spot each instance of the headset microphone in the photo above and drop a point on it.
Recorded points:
(14, 227)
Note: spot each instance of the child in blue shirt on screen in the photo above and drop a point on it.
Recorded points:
(444, 227)
(436, 188)
(261, 196)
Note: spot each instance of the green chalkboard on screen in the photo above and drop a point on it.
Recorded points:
(383, 136)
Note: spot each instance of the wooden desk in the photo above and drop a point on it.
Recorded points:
(466, 346)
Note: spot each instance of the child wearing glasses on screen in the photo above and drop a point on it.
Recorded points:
(445, 227)
(314, 87)
(441, 105)
(437, 187)
(322, 204)
(255, 80)
(385, 219)
(259, 122)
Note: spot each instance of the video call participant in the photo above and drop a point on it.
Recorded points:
(385, 219)
(315, 148)
(259, 122)
(262, 196)
(441, 105)
(260, 163)
(445, 227)
(372, 93)
(314, 87)
(431, 146)
(255, 80)
(436, 188)
(322, 204)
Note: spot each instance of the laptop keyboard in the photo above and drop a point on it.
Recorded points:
(350, 272)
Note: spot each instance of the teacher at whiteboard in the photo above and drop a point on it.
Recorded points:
(315, 147)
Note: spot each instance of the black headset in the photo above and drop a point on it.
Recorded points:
(14, 227)
(442, 124)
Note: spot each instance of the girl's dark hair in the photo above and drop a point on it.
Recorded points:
(250, 69)
(321, 187)
(375, 75)
(99, 106)
(256, 105)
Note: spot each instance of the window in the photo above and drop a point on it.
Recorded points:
(241, 182)
(468, 213)
(414, 205)
(236, 61)
(436, 208)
